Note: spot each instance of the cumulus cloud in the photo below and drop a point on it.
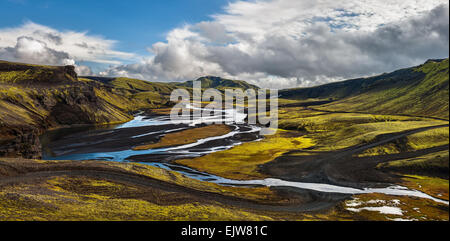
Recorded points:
(288, 43)
(30, 50)
(34, 43)
(83, 70)
(214, 32)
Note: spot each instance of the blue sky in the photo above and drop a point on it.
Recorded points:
(135, 24)
(271, 43)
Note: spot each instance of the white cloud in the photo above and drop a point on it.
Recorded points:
(287, 43)
(214, 32)
(83, 70)
(30, 50)
(25, 43)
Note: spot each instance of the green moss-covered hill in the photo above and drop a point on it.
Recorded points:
(419, 91)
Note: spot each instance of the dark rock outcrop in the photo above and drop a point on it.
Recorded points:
(20, 141)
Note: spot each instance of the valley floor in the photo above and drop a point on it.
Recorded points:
(313, 145)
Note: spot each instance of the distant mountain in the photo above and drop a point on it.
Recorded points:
(220, 83)
(422, 90)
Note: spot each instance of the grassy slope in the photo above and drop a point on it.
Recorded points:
(427, 97)
(418, 141)
(29, 106)
(419, 91)
(38, 107)
(428, 165)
